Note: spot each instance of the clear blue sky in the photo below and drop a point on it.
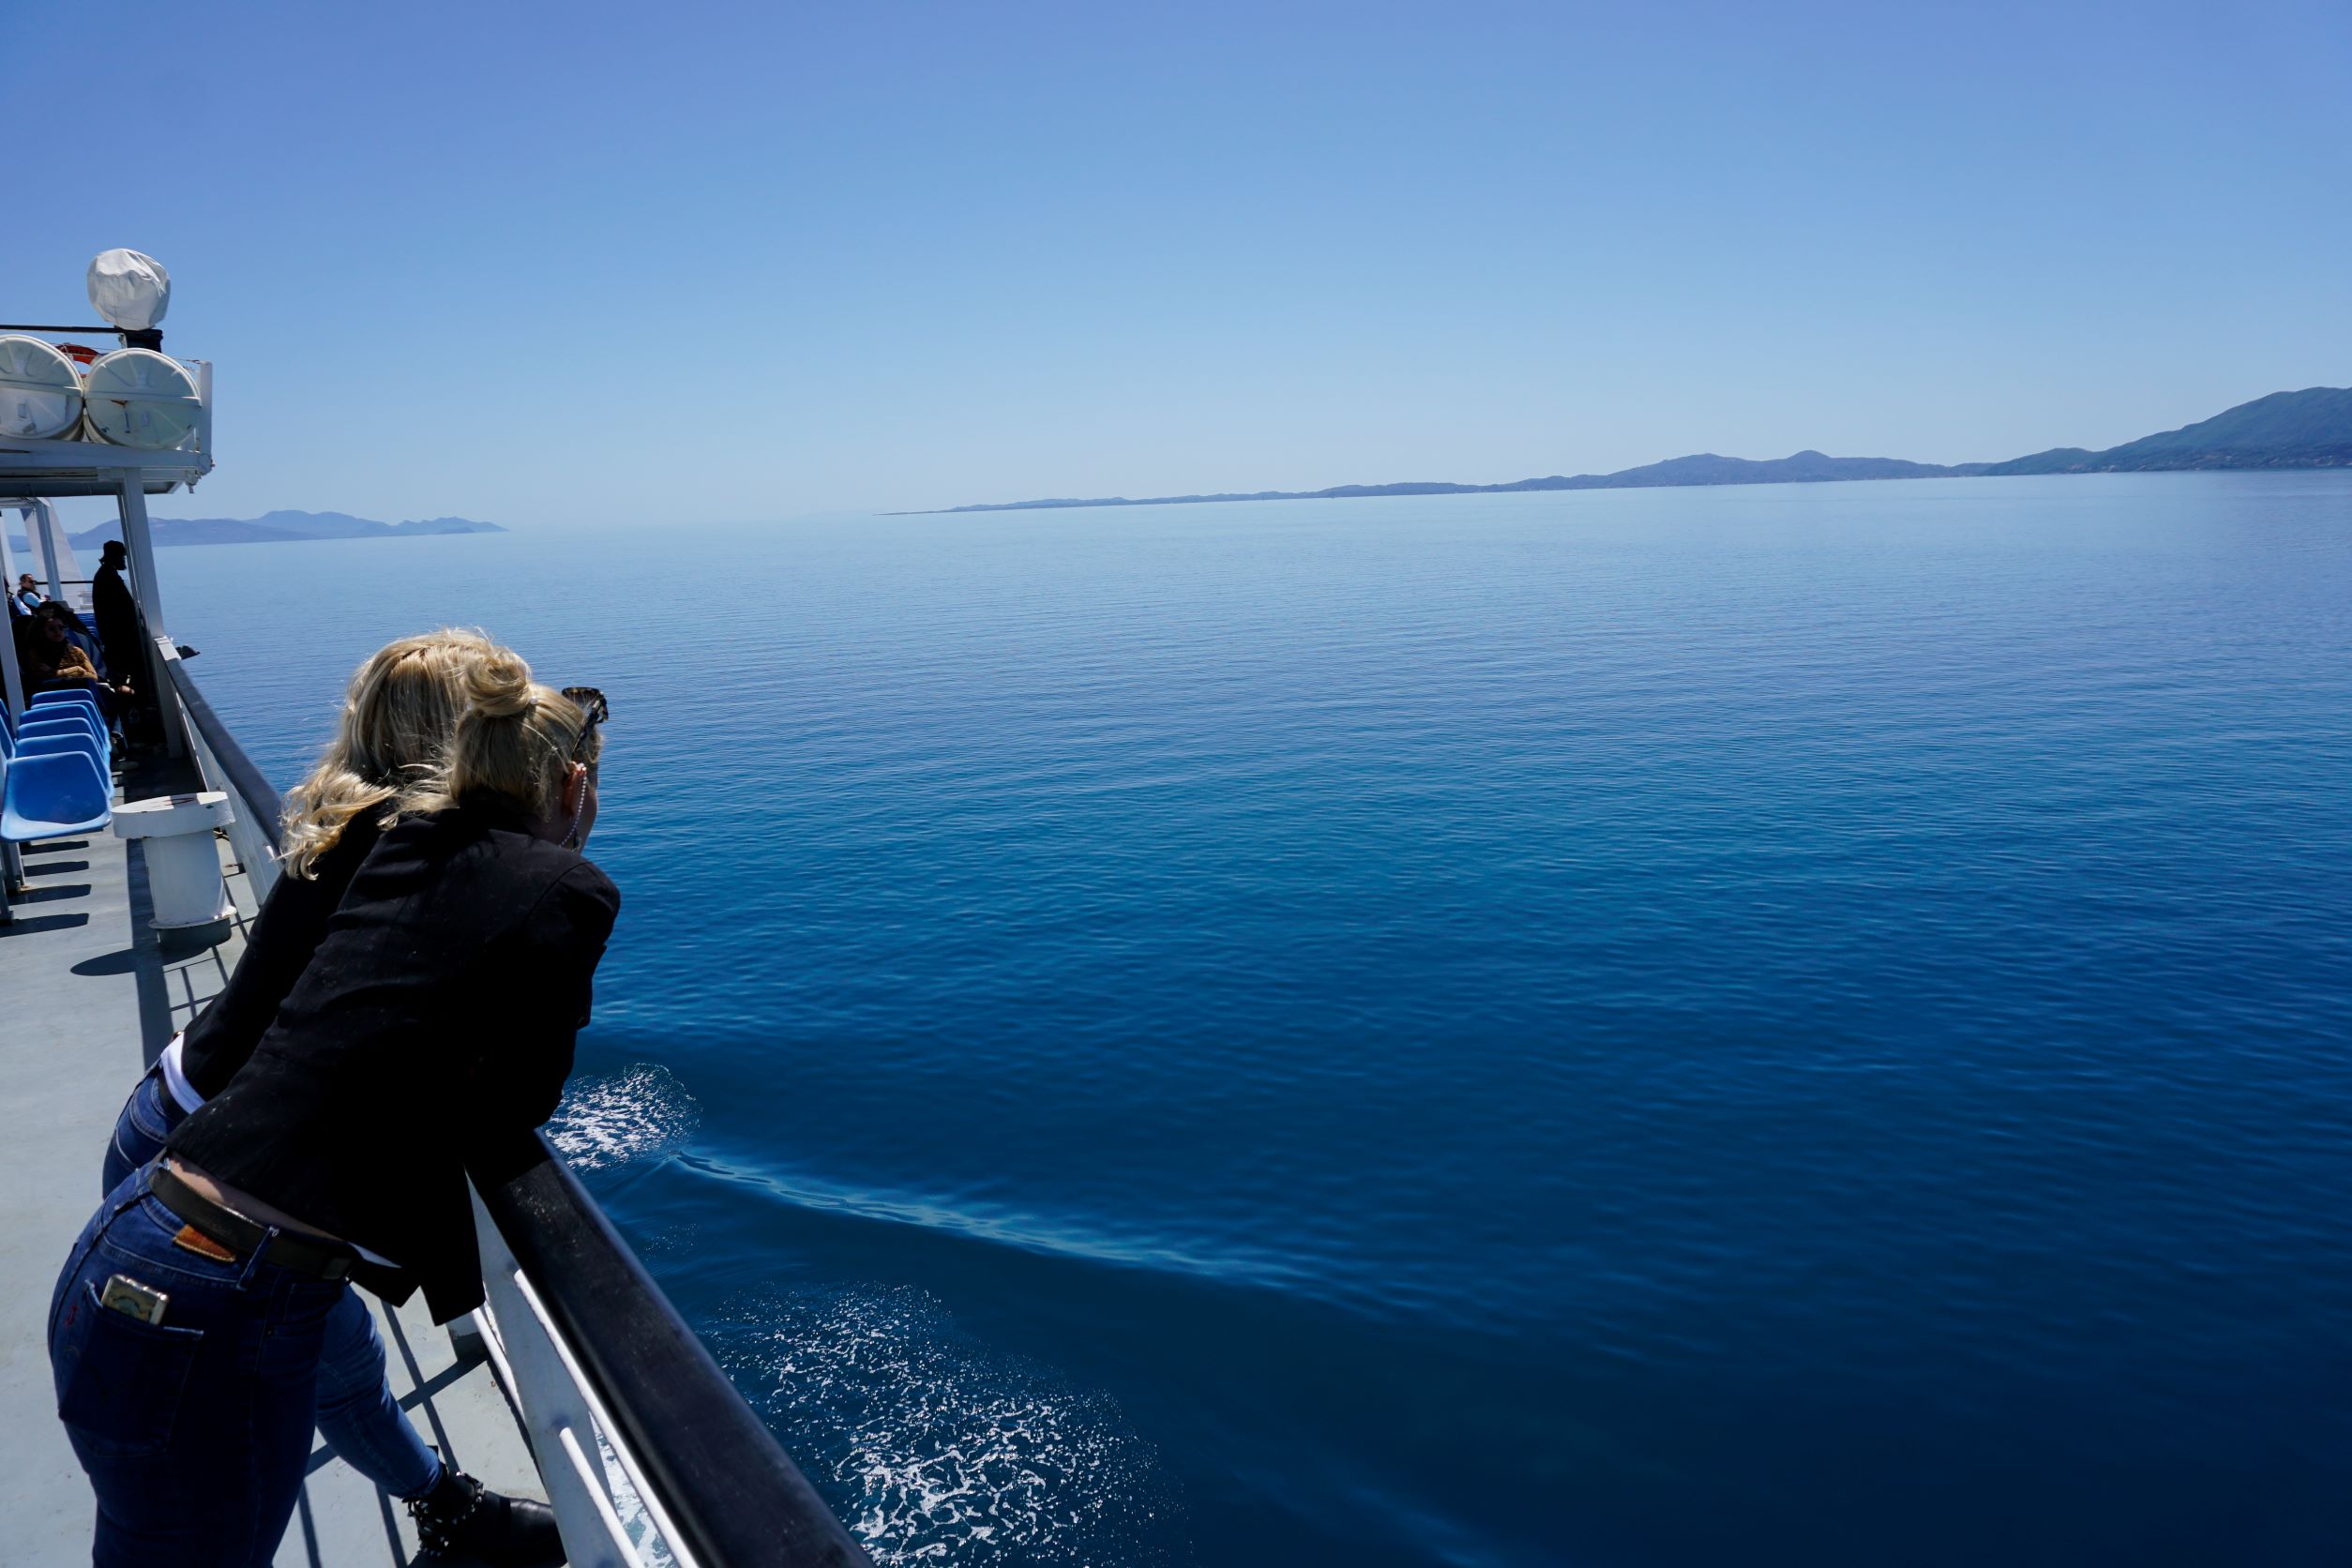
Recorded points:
(545, 264)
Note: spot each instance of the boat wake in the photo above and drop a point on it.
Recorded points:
(616, 1117)
(940, 1451)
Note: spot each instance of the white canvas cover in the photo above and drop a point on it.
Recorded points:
(40, 389)
(129, 289)
(140, 398)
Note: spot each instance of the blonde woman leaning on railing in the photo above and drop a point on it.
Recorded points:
(384, 761)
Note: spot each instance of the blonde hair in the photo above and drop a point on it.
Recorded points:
(516, 739)
(389, 751)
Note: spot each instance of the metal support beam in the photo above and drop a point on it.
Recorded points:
(149, 589)
(40, 524)
(11, 678)
(53, 546)
(12, 687)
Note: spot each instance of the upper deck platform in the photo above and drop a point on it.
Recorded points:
(52, 468)
(90, 996)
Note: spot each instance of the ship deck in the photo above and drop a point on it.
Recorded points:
(89, 995)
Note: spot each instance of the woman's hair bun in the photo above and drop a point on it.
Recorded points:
(498, 685)
(516, 738)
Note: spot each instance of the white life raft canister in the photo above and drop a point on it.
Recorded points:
(140, 398)
(40, 390)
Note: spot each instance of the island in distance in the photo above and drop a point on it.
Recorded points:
(279, 527)
(2310, 429)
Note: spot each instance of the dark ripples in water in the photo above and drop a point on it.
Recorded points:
(1800, 1024)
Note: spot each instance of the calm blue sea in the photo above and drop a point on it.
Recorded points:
(1798, 1024)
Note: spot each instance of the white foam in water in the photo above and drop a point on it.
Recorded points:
(935, 1451)
(638, 1112)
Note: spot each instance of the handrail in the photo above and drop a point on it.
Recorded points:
(243, 778)
(721, 1478)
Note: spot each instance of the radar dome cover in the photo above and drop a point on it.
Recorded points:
(129, 289)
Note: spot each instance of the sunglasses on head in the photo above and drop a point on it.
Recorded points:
(590, 701)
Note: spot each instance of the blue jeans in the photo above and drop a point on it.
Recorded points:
(194, 1431)
(356, 1414)
(148, 1117)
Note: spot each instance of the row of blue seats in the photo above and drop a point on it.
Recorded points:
(55, 769)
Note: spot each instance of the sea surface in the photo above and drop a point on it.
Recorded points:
(1794, 1024)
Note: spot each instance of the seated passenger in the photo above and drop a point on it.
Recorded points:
(383, 762)
(79, 634)
(55, 663)
(430, 1033)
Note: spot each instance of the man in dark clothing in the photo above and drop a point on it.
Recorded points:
(117, 616)
(121, 639)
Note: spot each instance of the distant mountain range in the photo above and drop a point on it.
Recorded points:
(2310, 429)
(279, 527)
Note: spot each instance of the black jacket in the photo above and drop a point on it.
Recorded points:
(289, 930)
(430, 1033)
(117, 616)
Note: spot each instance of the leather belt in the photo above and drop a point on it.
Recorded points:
(319, 1260)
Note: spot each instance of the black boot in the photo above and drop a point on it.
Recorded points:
(461, 1519)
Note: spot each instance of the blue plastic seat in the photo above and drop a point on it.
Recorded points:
(55, 711)
(48, 703)
(54, 719)
(55, 697)
(79, 727)
(50, 746)
(54, 797)
(63, 709)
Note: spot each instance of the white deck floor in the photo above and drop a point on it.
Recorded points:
(87, 998)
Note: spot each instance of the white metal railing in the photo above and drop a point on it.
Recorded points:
(650, 1456)
(610, 1514)
(254, 807)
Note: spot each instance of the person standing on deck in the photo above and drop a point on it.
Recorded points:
(117, 616)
